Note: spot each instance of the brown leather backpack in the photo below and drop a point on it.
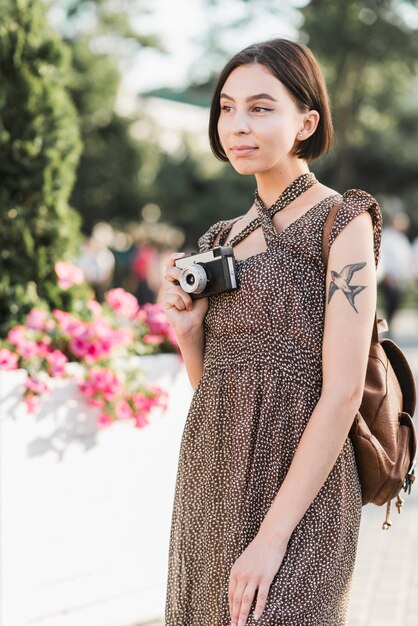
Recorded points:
(383, 434)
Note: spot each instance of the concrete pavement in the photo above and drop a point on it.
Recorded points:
(385, 583)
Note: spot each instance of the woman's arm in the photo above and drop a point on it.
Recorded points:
(349, 316)
(185, 316)
(192, 347)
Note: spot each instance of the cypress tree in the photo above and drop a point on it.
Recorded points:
(39, 152)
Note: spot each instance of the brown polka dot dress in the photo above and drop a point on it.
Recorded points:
(261, 381)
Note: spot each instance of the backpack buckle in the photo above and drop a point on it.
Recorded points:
(409, 478)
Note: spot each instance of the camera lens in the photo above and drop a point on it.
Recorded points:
(193, 279)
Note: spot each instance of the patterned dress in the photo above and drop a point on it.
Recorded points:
(261, 381)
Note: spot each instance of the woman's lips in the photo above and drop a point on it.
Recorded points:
(241, 151)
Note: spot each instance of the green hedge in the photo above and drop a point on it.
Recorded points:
(39, 151)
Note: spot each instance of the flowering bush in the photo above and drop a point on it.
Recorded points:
(102, 338)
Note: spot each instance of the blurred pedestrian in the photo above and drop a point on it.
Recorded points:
(147, 270)
(268, 501)
(98, 264)
(396, 264)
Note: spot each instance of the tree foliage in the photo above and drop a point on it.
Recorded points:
(369, 52)
(39, 152)
(108, 183)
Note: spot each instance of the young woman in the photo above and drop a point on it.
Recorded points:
(268, 501)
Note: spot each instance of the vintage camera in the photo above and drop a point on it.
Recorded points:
(207, 273)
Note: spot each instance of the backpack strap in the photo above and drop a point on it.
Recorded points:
(377, 324)
(327, 229)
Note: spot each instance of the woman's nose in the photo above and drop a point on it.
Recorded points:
(240, 123)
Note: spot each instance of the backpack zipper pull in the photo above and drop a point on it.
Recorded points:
(387, 523)
(399, 504)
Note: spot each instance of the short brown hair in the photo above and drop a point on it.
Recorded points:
(296, 67)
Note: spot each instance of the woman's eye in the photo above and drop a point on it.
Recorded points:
(258, 109)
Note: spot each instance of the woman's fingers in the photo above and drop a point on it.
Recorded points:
(170, 261)
(174, 302)
(236, 601)
(176, 297)
(246, 602)
(171, 272)
(240, 596)
(262, 594)
(231, 593)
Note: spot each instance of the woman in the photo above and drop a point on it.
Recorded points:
(268, 502)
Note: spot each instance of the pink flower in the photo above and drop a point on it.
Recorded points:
(26, 348)
(101, 383)
(45, 346)
(141, 420)
(16, 335)
(122, 336)
(96, 350)
(97, 403)
(122, 302)
(29, 349)
(153, 340)
(31, 403)
(123, 411)
(90, 347)
(8, 359)
(78, 346)
(68, 274)
(68, 324)
(141, 316)
(141, 401)
(104, 420)
(145, 403)
(56, 361)
(156, 319)
(153, 315)
(160, 398)
(94, 306)
(35, 385)
(36, 319)
(100, 328)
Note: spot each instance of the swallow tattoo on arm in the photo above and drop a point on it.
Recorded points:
(341, 281)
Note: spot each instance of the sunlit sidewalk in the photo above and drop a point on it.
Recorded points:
(385, 583)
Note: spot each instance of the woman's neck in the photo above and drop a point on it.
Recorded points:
(272, 183)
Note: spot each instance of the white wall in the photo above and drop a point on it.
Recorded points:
(85, 514)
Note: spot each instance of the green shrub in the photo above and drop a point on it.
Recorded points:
(39, 151)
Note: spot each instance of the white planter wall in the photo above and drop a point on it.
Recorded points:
(84, 513)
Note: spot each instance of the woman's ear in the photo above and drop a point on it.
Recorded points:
(310, 124)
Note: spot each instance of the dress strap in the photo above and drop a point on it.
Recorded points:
(293, 191)
(222, 233)
(264, 219)
(251, 227)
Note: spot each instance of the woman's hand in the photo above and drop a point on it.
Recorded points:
(183, 313)
(254, 569)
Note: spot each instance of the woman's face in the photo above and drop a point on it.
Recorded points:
(259, 121)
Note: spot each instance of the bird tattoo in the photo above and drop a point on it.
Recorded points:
(341, 281)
